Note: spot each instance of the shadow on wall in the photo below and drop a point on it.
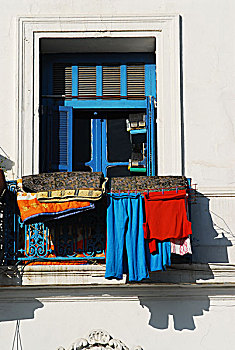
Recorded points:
(12, 308)
(182, 311)
(209, 245)
(5, 163)
(209, 241)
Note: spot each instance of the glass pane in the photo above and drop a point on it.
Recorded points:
(81, 142)
(118, 171)
(118, 139)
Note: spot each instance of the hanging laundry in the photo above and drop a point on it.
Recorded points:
(160, 258)
(85, 194)
(125, 232)
(181, 246)
(166, 216)
(69, 195)
(33, 210)
(62, 181)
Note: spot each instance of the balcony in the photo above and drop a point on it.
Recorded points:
(79, 239)
(67, 251)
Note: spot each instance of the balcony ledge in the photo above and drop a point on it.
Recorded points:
(87, 275)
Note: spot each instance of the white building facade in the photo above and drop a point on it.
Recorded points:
(189, 305)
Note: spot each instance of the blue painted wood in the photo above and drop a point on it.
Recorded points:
(138, 131)
(96, 162)
(104, 151)
(150, 123)
(99, 80)
(148, 136)
(150, 80)
(74, 80)
(99, 158)
(123, 74)
(106, 104)
(99, 60)
(152, 142)
(65, 138)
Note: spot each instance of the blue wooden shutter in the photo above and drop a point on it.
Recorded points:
(150, 120)
(61, 140)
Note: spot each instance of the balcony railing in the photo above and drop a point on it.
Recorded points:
(80, 239)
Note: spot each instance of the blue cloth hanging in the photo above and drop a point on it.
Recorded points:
(159, 260)
(125, 230)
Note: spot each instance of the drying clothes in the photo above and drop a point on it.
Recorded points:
(31, 209)
(153, 245)
(81, 194)
(125, 231)
(161, 256)
(69, 195)
(62, 181)
(181, 246)
(130, 183)
(166, 215)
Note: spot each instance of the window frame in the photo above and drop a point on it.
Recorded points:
(165, 28)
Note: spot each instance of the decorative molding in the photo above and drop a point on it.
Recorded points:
(166, 31)
(99, 340)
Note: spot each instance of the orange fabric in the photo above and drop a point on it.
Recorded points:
(29, 206)
(165, 216)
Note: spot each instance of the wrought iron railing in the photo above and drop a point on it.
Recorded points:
(80, 238)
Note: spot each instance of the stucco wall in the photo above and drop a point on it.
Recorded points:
(208, 80)
(207, 87)
(170, 318)
(203, 320)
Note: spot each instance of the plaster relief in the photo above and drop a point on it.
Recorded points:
(98, 340)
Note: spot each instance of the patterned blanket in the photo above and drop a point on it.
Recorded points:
(62, 181)
(141, 183)
(32, 210)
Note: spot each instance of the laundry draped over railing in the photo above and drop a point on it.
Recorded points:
(58, 195)
(133, 206)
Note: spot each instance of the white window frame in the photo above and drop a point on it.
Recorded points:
(166, 31)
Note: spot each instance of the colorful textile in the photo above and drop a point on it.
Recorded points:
(181, 246)
(125, 231)
(31, 209)
(80, 194)
(141, 183)
(166, 215)
(69, 195)
(161, 256)
(62, 181)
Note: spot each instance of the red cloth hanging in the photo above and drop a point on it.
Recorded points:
(166, 216)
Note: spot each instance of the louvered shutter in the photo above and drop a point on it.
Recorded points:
(136, 81)
(86, 82)
(111, 81)
(60, 136)
(62, 79)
